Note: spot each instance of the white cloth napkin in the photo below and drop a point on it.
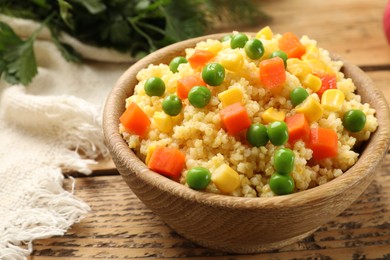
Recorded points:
(51, 126)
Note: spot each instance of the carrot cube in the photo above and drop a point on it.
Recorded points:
(272, 74)
(298, 128)
(235, 118)
(323, 142)
(135, 120)
(167, 161)
(291, 45)
(185, 84)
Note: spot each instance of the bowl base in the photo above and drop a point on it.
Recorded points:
(252, 249)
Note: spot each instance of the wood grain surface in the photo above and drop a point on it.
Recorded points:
(119, 226)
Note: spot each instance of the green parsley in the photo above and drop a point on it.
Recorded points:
(136, 27)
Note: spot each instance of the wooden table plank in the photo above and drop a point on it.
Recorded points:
(120, 226)
(351, 28)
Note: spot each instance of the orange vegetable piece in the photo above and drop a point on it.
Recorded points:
(235, 118)
(272, 74)
(298, 128)
(328, 81)
(185, 84)
(135, 120)
(199, 58)
(323, 142)
(167, 161)
(291, 45)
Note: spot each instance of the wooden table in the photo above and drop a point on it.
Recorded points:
(119, 226)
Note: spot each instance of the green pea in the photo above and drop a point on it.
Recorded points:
(298, 95)
(277, 132)
(238, 41)
(175, 62)
(213, 74)
(154, 86)
(198, 178)
(199, 96)
(284, 161)
(354, 120)
(254, 49)
(280, 54)
(257, 135)
(227, 37)
(281, 184)
(172, 105)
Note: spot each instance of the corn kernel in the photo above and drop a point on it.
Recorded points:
(312, 109)
(231, 96)
(214, 47)
(332, 99)
(272, 115)
(318, 66)
(265, 33)
(225, 178)
(312, 52)
(149, 153)
(298, 68)
(313, 82)
(163, 122)
(232, 61)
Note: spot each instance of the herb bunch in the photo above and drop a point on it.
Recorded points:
(137, 27)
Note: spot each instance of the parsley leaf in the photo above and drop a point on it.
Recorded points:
(17, 58)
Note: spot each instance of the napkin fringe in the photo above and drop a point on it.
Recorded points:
(74, 121)
(51, 212)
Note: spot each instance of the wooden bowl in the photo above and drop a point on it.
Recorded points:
(237, 224)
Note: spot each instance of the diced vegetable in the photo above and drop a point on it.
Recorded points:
(318, 66)
(199, 96)
(277, 133)
(284, 160)
(199, 58)
(291, 45)
(231, 96)
(313, 82)
(280, 54)
(298, 128)
(213, 47)
(149, 153)
(323, 142)
(312, 52)
(354, 120)
(198, 178)
(298, 95)
(185, 84)
(154, 86)
(312, 109)
(281, 184)
(235, 118)
(254, 49)
(332, 99)
(225, 178)
(135, 120)
(272, 74)
(328, 81)
(272, 115)
(265, 33)
(163, 122)
(238, 41)
(298, 68)
(213, 74)
(167, 161)
(172, 105)
(232, 61)
(257, 135)
(175, 62)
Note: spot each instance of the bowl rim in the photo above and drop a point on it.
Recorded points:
(319, 194)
